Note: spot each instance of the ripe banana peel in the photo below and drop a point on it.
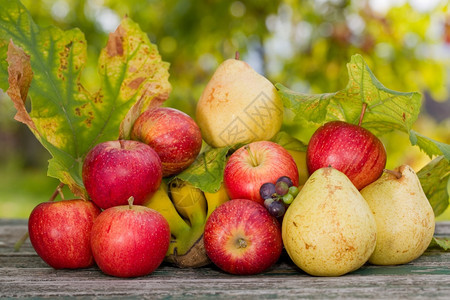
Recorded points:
(189, 201)
(186, 209)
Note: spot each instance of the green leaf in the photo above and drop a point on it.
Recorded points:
(386, 109)
(428, 145)
(435, 178)
(66, 118)
(206, 172)
(442, 243)
(289, 142)
(3, 66)
(311, 108)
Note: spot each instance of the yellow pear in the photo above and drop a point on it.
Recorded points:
(238, 105)
(404, 216)
(329, 229)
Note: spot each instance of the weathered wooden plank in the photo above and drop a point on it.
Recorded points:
(158, 285)
(10, 234)
(24, 274)
(431, 262)
(442, 228)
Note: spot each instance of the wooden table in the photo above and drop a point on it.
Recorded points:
(24, 274)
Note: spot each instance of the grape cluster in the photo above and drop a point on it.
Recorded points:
(278, 196)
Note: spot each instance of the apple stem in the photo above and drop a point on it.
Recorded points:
(20, 242)
(363, 111)
(130, 202)
(122, 144)
(241, 243)
(397, 174)
(252, 157)
(236, 55)
(58, 191)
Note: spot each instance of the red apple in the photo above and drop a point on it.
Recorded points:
(129, 240)
(173, 134)
(116, 170)
(60, 232)
(241, 237)
(254, 164)
(349, 148)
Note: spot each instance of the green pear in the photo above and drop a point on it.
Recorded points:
(238, 105)
(329, 230)
(404, 217)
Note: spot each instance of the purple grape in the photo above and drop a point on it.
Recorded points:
(281, 188)
(285, 179)
(267, 202)
(267, 190)
(276, 209)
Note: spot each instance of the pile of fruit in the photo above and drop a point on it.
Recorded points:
(342, 216)
(228, 188)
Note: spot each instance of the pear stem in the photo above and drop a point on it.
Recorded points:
(397, 174)
(130, 202)
(236, 55)
(252, 157)
(363, 111)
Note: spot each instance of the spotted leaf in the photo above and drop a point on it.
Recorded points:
(45, 66)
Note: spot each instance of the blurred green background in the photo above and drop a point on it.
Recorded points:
(303, 44)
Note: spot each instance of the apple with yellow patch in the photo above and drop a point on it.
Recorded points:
(242, 238)
(173, 134)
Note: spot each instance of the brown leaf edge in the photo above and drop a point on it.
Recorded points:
(153, 95)
(20, 76)
(138, 108)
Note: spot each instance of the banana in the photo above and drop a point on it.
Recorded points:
(161, 202)
(216, 199)
(189, 201)
(186, 209)
(300, 160)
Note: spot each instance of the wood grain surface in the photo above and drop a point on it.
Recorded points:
(24, 274)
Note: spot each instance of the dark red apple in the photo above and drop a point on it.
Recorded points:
(129, 240)
(116, 170)
(60, 232)
(349, 148)
(173, 134)
(254, 164)
(241, 237)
